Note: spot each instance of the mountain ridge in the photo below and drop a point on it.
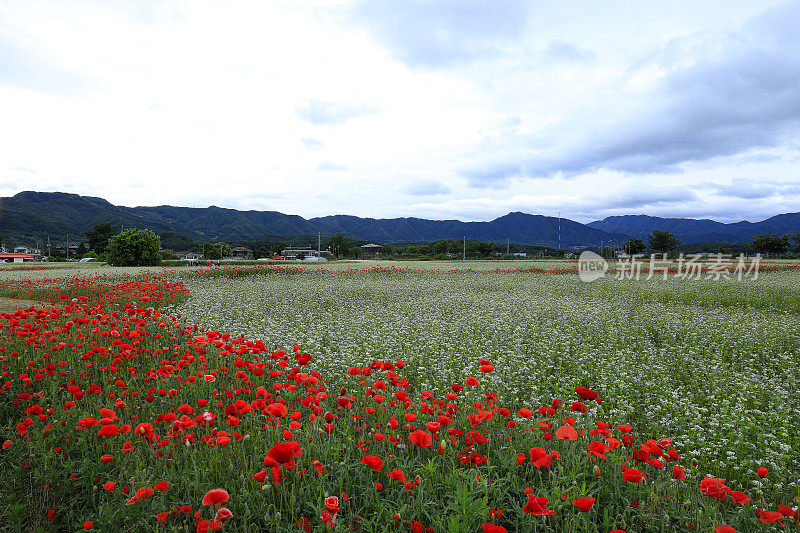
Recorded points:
(29, 217)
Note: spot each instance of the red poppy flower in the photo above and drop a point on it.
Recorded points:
(284, 452)
(471, 381)
(141, 494)
(678, 473)
(740, 497)
(584, 503)
(586, 394)
(332, 504)
(566, 432)
(421, 438)
(762, 472)
(223, 514)
(722, 528)
(88, 525)
(109, 430)
(579, 407)
(537, 506)
(216, 497)
(399, 475)
(161, 485)
(633, 475)
(373, 461)
(491, 528)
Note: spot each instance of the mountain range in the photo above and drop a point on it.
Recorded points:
(28, 218)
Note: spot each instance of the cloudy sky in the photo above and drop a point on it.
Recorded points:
(462, 109)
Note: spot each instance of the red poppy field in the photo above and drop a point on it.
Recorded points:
(120, 414)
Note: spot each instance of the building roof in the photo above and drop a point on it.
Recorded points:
(11, 256)
(371, 245)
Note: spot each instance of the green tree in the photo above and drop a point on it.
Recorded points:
(662, 241)
(633, 246)
(99, 235)
(485, 248)
(81, 250)
(216, 250)
(134, 247)
(168, 255)
(341, 245)
(794, 237)
(277, 248)
(770, 243)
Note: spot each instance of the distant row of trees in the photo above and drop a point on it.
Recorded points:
(664, 241)
(134, 247)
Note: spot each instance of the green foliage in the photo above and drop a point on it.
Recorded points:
(771, 243)
(341, 245)
(634, 246)
(176, 241)
(168, 255)
(134, 247)
(99, 235)
(277, 248)
(662, 241)
(216, 250)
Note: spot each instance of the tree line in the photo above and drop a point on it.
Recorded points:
(664, 241)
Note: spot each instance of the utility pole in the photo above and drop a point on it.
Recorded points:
(465, 247)
(319, 243)
(508, 245)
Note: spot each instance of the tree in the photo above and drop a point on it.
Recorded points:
(794, 237)
(134, 247)
(770, 243)
(216, 250)
(341, 245)
(485, 248)
(81, 250)
(633, 246)
(278, 247)
(99, 235)
(662, 241)
(168, 255)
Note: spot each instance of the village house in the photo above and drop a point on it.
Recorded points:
(241, 252)
(372, 250)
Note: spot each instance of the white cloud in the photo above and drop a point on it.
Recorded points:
(315, 108)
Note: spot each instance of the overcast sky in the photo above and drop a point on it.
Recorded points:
(439, 109)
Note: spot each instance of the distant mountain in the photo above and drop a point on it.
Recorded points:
(35, 215)
(29, 217)
(517, 227)
(690, 230)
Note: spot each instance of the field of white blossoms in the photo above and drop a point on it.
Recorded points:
(712, 363)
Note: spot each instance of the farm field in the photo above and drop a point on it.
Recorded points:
(439, 373)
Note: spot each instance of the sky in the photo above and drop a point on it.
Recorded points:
(441, 109)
